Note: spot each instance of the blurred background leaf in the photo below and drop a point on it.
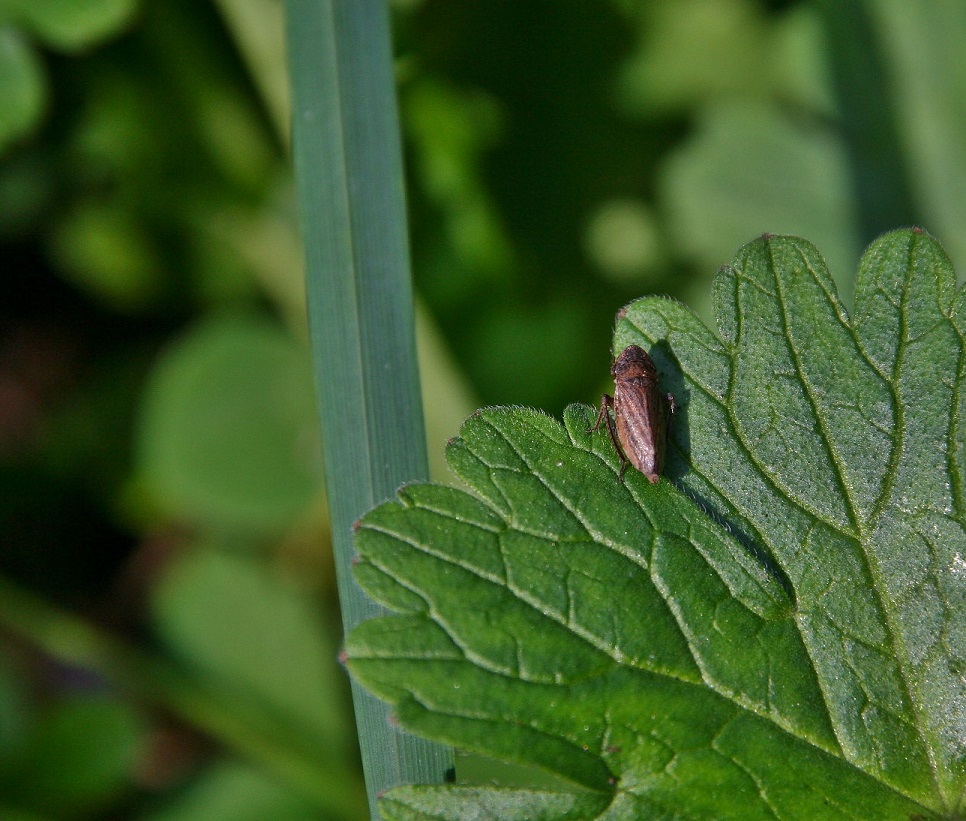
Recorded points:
(74, 759)
(158, 456)
(228, 438)
(65, 27)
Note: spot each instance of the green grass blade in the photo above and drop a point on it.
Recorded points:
(349, 171)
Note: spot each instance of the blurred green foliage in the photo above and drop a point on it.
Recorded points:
(158, 455)
(255, 379)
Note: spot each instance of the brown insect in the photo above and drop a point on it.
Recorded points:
(639, 426)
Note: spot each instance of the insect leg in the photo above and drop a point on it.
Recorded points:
(606, 403)
(606, 406)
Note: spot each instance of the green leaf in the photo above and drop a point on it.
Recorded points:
(244, 628)
(749, 166)
(688, 53)
(776, 632)
(919, 43)
(233, 791)
(76, 758)
(104, 250)
(227, 435)
(23, 91)
(70, 24)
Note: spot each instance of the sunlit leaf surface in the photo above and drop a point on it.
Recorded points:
(776, 631)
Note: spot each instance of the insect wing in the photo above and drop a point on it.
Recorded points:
(641, 425)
